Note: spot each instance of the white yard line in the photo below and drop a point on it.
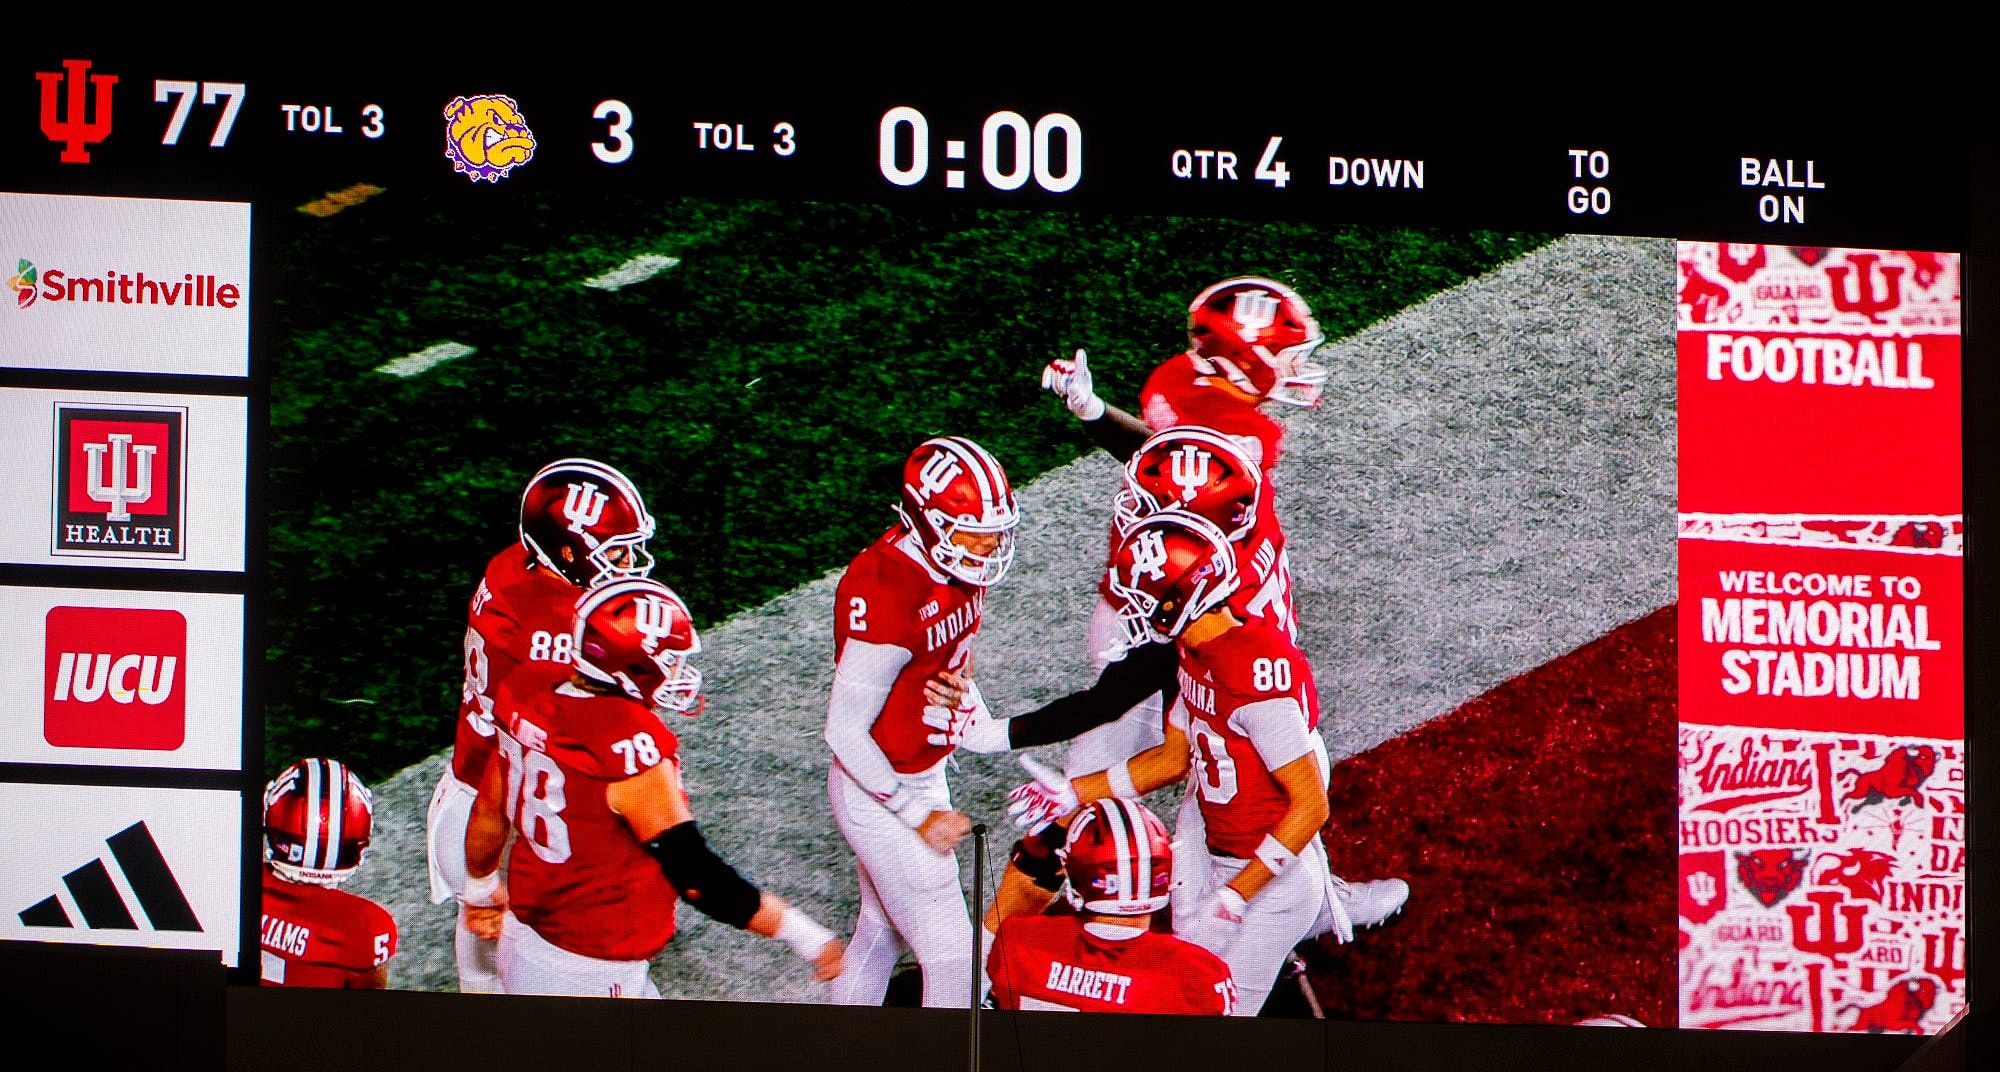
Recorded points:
(426, 359)
(637, 270)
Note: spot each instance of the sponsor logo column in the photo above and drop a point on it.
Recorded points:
(1822, 728)
(147, 478)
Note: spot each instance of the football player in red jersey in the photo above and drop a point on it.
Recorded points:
(317, 821)
(1211, 476)
(1119, 863)
(1250, 340)
(1242, 723)
(582, 524)
(590, 778)
(905, 612)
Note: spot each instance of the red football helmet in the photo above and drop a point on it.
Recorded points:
(1166, 571)
(1195, 469)
(1119, 859)
(585, 521)
(1259, 334)
(952, 485)
(638, 635)
(317, 820)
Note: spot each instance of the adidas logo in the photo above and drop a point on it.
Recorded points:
(97, 897)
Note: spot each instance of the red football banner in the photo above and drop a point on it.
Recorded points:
(1822, 666)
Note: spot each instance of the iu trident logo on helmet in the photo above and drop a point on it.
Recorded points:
(1255, 310)
(939, 471)
(654, 618)
(1149, 556)
(1190, 470)
(583, 505)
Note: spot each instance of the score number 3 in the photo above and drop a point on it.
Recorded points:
(618, 147)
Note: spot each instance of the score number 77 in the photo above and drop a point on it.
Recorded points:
(183, 93)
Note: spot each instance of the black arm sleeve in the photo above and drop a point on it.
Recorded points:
(1118, 433)
(1124, 684)
(703, 879)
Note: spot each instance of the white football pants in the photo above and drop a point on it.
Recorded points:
(444, 836)
(910, 898)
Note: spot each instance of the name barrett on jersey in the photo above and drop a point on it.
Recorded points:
(887, 597)
(1053, 963)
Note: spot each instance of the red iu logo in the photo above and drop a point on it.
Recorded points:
(1865, 299)
(75, 129)
(1833, 941)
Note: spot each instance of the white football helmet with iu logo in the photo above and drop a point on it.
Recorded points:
(586, 521)
(636, 634)
(1259, 335)
(1168, 570)
(957, 501)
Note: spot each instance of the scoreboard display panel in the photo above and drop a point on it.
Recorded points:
(574, 528)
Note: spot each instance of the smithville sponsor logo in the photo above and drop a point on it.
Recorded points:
(121, 482)
(194, 290)
(115, 678)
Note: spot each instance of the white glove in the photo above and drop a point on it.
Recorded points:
(1219, 920)
(1038, 803)
(968, 725)
(1070, 380)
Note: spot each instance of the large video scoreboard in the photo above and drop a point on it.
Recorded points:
(1609, 587)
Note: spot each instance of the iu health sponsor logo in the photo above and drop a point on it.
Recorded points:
(120, 482)
(115, 677)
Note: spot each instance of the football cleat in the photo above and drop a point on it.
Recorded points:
(1370, 904)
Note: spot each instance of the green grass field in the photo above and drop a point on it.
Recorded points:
(761, 394)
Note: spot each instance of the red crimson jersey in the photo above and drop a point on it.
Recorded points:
(1256, 662)
(577, 874)
(520, 613)
(888, 597)
(321, 936)
(1052, 963)
(1178, 392)
(1264, 575)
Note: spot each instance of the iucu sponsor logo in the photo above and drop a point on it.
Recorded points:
(86, 678)
(115, 677)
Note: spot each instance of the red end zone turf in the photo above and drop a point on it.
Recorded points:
(1535, 825)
